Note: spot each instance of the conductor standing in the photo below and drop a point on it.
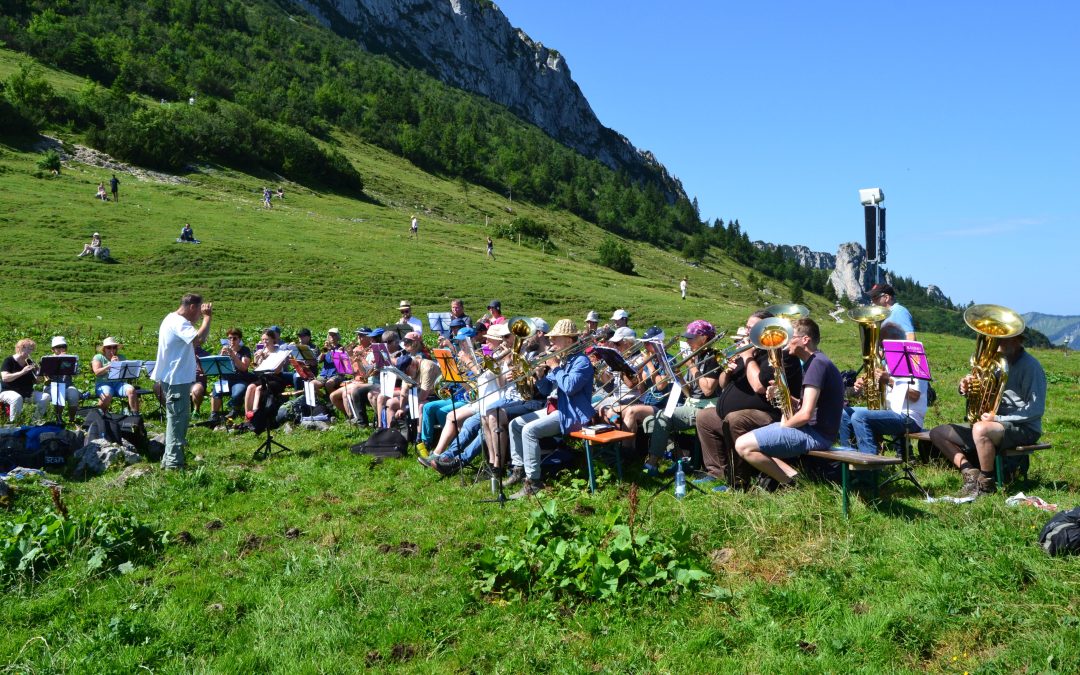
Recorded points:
(175, 370)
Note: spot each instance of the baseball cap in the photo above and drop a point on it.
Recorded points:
(623, 333)
(620, 314)
(495, 304)
(540, 324)
(413, 335)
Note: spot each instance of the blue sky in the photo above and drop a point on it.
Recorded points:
(776, 113)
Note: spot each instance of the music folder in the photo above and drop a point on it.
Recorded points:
(906, 358)
(59, 367)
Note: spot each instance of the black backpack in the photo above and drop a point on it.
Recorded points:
(1061, 536)
(383, 443)
(114, 428)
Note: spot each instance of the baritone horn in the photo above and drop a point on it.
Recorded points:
(989, 370)
(773, 335)
(869, 318)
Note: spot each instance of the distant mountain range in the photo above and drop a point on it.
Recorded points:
(1057, 328)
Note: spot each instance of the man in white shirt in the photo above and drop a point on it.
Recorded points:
(406, 316)
(174, 368)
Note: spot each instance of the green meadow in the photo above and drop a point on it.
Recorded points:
(318, 560)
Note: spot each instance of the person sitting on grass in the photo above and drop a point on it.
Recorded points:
(187, 235)
(101, 194)
(106, 389)
(93, 247)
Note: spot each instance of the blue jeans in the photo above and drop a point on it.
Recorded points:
(470, 439)
(869, 425)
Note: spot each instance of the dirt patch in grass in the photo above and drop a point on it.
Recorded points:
(184, 538)
(251, 543)
(404, 549)
(214, 524)
(292, 533)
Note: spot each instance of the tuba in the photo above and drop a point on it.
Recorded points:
(522, 328)
(870, 318)
(989, 370)
(772, 335)
(788, 311)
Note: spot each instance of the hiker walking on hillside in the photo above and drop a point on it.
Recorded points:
(682, 288)
(266, 198)
(491, 248)
(114, 184)
(414, 227)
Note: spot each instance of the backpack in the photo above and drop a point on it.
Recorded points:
(53, 444)
(1061, 536)
(13, 449)
(383, 443)
(115, 428)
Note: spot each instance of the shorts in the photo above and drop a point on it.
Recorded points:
(1015, 435)
(782, 442)
(332, 381)
(113, 388)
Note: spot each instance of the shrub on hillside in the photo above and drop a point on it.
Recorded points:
(614, 254)
(50, 161)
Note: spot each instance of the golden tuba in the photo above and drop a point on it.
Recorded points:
(773, 335)
(523, 328)
(788, 311)
(989, 370)
(870, 318)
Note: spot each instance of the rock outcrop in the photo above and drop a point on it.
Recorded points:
(470, 44)
(816, 260)
(849, 275)
(935, 294)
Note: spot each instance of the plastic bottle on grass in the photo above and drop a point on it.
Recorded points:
(680, 480)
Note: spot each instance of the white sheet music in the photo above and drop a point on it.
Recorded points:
(273, 361)
(58, 392)
(673, 401)
(124, 370)
(309, 393)
(414, 403)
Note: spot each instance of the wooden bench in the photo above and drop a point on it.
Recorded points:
(852, 460)
(999, 457)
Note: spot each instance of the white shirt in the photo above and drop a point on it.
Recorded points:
(897, 401)
(175, 363)
(416, 323)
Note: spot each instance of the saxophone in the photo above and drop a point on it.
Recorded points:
(869, 318)
(989, 370)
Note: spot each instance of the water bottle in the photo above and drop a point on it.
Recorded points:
(680, 481)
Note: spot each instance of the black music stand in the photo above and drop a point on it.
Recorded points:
(59, 370)
(266, 449)
(906, 359)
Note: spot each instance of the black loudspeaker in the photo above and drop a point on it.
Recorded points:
(870, 217)
(882, 249)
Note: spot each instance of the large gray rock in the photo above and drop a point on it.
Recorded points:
(935, 294)
(471, 45)
(849, 276)
(98, 455)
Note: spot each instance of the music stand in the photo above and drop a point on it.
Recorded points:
(906, 359)
(59, 370)
(124, 370)
(440, 322)
(266, 448)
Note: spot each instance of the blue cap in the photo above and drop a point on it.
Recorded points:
(403, 362)
(466, 332)
(455, 323)
(376, 333)
(276, 330)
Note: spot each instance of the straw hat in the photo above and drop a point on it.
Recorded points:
(564, 328)
(404, 304)
(110, 342)
(499, 330)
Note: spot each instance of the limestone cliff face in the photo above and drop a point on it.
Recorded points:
(849, 276)
(470, 44)
(817, 260)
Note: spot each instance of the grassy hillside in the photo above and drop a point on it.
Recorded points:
(320, 561)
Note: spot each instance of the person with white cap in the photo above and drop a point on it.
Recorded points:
(592, 322)
(19, 374)
(93, 247)
(621, 318)
(106, 388)
(71, 395)
(405, 307)
(572, 379)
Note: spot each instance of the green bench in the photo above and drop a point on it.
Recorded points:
(999, 459)
(852, 460)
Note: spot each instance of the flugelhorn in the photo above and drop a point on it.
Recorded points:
(773, 335)
(989, 370)
(869, 318)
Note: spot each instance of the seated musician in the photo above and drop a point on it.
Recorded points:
(276, 380)
(19, 375)
(501, 341)
(592, 323)
(630, 414)
(424, 371)
(351, 397)
(884, 295)
(106, 388)
(71, 394)
(237, 383)
(573, 378)
(906, 401)
(816, 414)
(703, 377)
(435, 412)
(1018, 421)
(329, 378)
(617, 388)
(741, 407)
(392, 340)
(405, 308)
(457, 313)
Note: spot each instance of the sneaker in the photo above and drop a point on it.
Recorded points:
(424, 460)
(720, 488)
(422, 449)
(766, 483)
(530, 488)
(705, 480)
(517, 474)
(971, 482)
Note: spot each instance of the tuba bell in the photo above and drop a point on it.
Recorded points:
(772, 335)
(870, 318)
(989, 370)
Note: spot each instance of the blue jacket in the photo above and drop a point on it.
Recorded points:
(575, 383)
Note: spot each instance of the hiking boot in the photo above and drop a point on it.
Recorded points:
(985, 485)
(766, 483)
(517, 474)
(971, 482)
(447, 466)
(530, 488)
